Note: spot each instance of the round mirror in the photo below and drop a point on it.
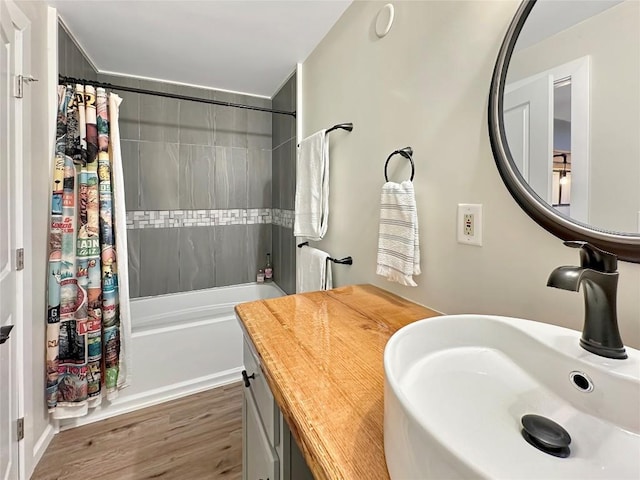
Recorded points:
(564, 119)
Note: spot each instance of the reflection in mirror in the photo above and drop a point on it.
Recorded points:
(572, 109)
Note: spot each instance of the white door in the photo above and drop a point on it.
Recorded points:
(528, 123)
(10, 181)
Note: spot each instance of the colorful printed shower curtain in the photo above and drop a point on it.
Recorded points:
(88, 327)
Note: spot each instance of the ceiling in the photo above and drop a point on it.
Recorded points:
(246, 46)
(548, 18)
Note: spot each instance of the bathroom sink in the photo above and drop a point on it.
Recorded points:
(458, 386)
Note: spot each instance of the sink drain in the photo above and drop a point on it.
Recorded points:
(546, 435)
(581, 381)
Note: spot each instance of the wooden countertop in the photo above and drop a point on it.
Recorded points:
(322, 355)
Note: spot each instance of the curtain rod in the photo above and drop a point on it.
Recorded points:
(64, 79)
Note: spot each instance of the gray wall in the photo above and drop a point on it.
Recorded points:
(426, 85)
(182, 160)
(71, 61)
(284, 186)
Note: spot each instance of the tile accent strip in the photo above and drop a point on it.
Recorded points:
(283, 218)
(141, 219)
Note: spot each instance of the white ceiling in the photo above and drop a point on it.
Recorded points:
(246, 46)
(550, 17)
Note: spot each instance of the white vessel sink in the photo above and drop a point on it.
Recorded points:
(457, 387)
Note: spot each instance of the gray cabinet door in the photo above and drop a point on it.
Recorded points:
(261, 461)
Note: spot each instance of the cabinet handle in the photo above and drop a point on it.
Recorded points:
(247, 382)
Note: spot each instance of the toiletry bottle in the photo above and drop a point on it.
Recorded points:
(268, 269)
(260, 278)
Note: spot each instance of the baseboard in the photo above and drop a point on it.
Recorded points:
(154, 397)
(41, 445)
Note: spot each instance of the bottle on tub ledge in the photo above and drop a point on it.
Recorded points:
(268, 269)
(260, 277)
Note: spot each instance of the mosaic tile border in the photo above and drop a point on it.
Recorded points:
(283, 218)
(141, 219)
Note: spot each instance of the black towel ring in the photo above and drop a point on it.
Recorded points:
(406, 152)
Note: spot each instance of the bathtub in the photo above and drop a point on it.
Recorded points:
(182, 343)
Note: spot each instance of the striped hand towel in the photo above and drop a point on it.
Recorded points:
(398, 244)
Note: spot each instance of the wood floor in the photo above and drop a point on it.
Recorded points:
(193, 438)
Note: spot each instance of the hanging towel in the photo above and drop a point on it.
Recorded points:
(312, 187)
(398, 244)
(124, 360)
(313, 270)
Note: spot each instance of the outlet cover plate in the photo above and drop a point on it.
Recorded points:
(474, 212)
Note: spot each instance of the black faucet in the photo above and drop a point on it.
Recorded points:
(598, 273)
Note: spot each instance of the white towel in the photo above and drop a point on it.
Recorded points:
(313, 270)
(117, 172)
(312, 187)
(398, 244)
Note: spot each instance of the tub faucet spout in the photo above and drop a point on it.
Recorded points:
(598, 276)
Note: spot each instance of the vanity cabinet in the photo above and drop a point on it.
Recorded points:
(269, 452)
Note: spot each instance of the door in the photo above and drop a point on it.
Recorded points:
(528, 124)
(260, 458)
(10, 182)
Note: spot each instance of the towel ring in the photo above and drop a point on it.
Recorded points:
(406, 152)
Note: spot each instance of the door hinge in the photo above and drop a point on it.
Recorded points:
(19, 86)
(20, 429)
(20, 259)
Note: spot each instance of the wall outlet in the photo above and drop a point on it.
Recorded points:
(470, 224)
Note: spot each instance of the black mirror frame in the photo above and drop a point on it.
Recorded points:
(625, 245)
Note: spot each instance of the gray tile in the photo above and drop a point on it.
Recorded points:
(159, 176)
(131, 170)
(196, 258)
(88, 72)
(276, 172)
(288, 263)
(159, 86)
(193, 91)
(133, 251)
(285, 99)
(288, 175)
(259, 179)
(159, 261)
(196, 184)
(259, 130)
(230, 184)
(276, 257)
(129, 114)
(62, 51)
(258, 245)
(159, 116)
(196, 122)
(277, 130)
(231, 124)
(119, 80)
(230, 247)
(284, 127)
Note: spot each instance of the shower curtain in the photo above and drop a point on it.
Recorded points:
(88, 322)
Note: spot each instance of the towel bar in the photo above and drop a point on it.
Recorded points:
(341, 126)
(340, 261)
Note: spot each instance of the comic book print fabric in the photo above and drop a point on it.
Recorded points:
(83, 327)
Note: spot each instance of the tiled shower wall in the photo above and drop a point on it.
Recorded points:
(201, 210)
(284, 187)
(197, 188)
(71, 61)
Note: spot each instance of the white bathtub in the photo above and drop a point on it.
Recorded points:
(182, 343)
